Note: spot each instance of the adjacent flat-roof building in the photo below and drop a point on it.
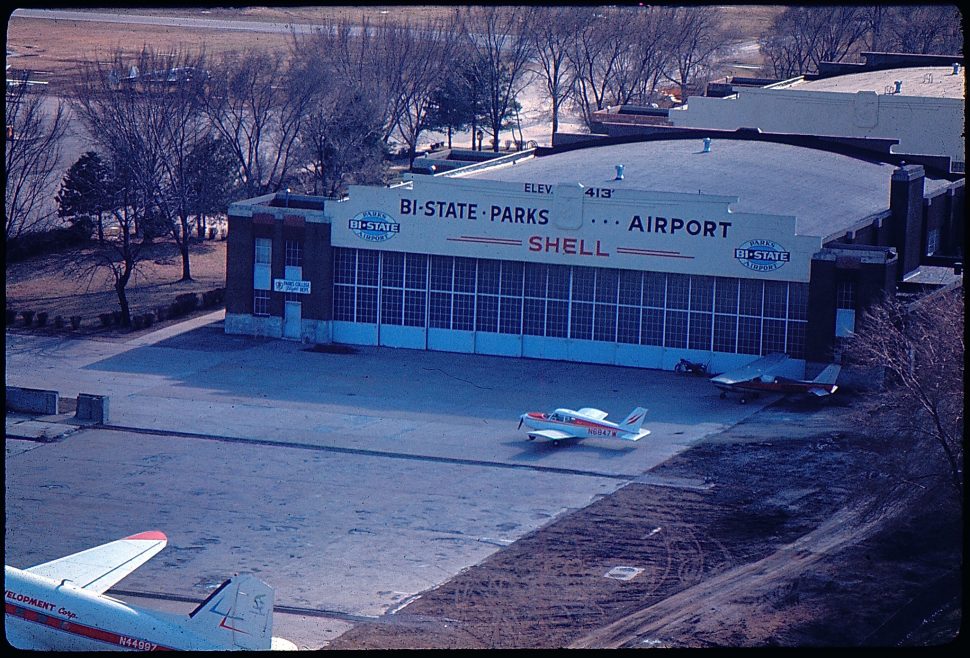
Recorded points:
(638, 253)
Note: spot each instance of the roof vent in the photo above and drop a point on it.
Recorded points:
(899, 86)
(707, 145)
(956, 68)
(619, 172)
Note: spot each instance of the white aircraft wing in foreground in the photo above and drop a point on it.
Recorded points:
(587, 422)
(61, 606)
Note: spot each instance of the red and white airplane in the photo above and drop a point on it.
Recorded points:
(760, 376)
(587, 422)
(61, 606)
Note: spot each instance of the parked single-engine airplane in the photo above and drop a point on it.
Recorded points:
(759, 377)
(61, 606)
(587, 422)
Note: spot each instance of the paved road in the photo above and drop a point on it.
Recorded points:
(165, 21)
(349, 482)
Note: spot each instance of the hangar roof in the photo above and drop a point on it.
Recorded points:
(826, 192)
(926, 81)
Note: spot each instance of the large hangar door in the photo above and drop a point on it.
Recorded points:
(451, 304)
(498, 308)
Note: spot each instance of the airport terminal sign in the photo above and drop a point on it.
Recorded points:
(572, 224)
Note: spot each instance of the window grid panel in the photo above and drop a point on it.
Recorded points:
(699, 331)
(534, 317)
(439, 310)
(442, 273)
(798, 301)
(581, 320)
(557, 318)
(725, 332)
(584, 279)
(796, 339)
(343, 303)
(489, 273)
(486, 313)
(392, 306)
(368, 267)
(678, 291)
(607, 282)
(675, 329)
(414, 308)
(604, 322)
(466, 272)
(344, 266)
(750, 296)
(510, 284)
(367, 304)
(749, 335)
(628, 324)
(845, 295)
(726, 295)
(652, 326)
(535, 280)
(510, 315)
(773, 336)
(392, 269)
(463, 318)
(776, 299)
(416, 271)
(559, 282)
(654, 289)
(631, 287)
(701, 293)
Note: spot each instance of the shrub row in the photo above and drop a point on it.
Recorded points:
(183, 305)
(29, 316)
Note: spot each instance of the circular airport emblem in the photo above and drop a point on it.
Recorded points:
(762, 255)
(374, 226)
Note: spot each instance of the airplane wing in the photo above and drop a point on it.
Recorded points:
(99, 568)
(757, 368)
(554, 435)
(593, 413)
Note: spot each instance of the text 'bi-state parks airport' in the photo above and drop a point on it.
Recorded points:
(703, 236)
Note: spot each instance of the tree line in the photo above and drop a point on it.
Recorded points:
(178, 136)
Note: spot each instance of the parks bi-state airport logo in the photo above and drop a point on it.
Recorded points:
(762, 255)
(374, 226)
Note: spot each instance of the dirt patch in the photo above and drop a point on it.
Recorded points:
(771, 534)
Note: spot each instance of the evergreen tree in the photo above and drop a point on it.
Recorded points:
(213, 172)
(86, 191)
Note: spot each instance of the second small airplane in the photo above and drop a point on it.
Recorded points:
(587, 422)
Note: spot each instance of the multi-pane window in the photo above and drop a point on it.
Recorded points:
(845, 295)
(264, 247)
(261, 302)
(723, 314)
(293, 253)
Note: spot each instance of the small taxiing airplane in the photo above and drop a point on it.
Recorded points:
(584, 423)
(61, 606)
(760, 376)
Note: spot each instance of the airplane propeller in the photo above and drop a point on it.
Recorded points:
(520, 423)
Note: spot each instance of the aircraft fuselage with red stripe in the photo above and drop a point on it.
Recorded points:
(584, 423)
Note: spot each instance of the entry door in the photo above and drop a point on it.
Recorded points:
(292, 320)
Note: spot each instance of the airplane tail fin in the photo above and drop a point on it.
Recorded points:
(633, 421)
(238, 615)
(829, 375)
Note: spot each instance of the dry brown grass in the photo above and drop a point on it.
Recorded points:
(48, 284)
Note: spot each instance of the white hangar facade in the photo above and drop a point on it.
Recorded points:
(633, 251)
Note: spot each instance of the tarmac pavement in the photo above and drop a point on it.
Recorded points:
(349, 482)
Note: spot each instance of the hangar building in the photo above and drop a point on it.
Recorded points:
(634, 251)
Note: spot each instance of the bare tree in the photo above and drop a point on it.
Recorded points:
(925, 29)
(499, 35)
(921, 349)
(33, 152)
(595, 56)
(652, 41)
(696, 41)
(257, 101)
(551, 31)
(802, 37)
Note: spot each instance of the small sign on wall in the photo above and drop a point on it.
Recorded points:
(286, 285)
